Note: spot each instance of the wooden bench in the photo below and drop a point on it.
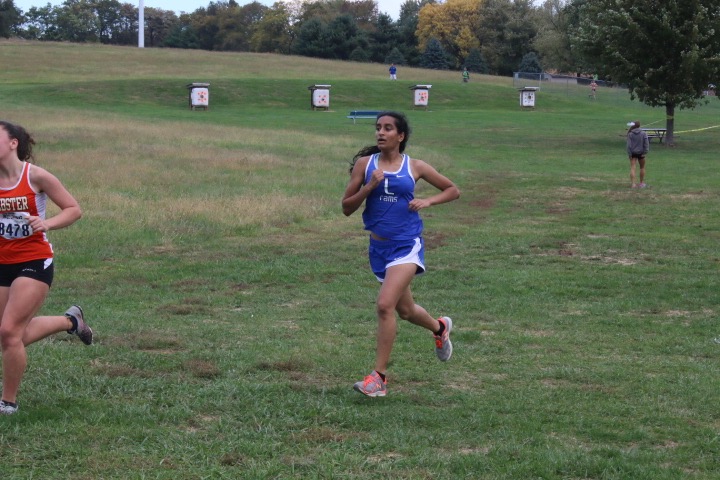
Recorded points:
(658, 133)
(355, 114)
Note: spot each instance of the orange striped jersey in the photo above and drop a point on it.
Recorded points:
(18, 243)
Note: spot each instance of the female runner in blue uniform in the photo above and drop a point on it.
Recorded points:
(384, 178)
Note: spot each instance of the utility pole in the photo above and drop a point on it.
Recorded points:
(141, 24)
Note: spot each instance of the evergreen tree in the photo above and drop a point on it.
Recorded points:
(310, 41)
(336, 39)
(343, 36)
(475, 62)
(530, 63)
(383, 38)
(407, 24)
(359, 55)
(395, 56)
(181, 36)
(434, 56)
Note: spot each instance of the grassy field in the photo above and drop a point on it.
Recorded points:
(234, 308)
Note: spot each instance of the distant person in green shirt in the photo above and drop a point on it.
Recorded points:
(465, 75)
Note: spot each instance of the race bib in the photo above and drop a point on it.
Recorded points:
(15, 225)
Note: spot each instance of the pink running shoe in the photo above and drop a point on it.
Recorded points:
(443, 345)
(372, 386)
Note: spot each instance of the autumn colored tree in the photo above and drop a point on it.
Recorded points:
(453, 24)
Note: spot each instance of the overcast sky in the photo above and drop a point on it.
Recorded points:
(391, 7)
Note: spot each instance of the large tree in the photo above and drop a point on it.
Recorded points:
(78, 22)
(453, 24)
(10, 18)
(181, 34)
(506, 32)
(666, 52)
(159, 25)
(41, 23)
(273, 33)
(384, 39)
(553, 19)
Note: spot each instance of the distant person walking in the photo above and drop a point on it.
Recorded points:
(593, 89)
(384, 178)
(638, 146)
(26, 257)
(465, 75)
(393, 72)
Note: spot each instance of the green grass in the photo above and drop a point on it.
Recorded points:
(234, 307)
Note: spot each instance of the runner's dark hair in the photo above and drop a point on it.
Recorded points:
(25, 140)
(402, 125)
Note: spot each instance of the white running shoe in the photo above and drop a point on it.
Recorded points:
(83, 330)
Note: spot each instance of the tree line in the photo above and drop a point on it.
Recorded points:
(667, 53)
(487, 36)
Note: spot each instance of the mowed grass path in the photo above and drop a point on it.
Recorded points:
(234, 307)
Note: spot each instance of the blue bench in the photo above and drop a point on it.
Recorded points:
(355, 114)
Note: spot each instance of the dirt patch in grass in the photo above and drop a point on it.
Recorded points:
(323, 435)
(149, 341)
(187, 306)
(121, 371)
(234, 459)
(201, 368)
(434, 240)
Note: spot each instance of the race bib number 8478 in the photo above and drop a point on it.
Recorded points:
(15, 225)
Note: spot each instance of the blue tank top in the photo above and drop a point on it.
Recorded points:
(387, 209)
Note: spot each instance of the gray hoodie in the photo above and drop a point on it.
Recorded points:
(638, 142)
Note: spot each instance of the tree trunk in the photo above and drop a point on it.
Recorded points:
(670, 125)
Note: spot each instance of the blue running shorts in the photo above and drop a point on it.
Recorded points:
(387, 253)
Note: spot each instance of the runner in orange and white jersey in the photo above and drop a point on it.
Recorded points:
(26, 257)
(18, 242)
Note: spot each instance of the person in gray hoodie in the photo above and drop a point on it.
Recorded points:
(638, 146)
